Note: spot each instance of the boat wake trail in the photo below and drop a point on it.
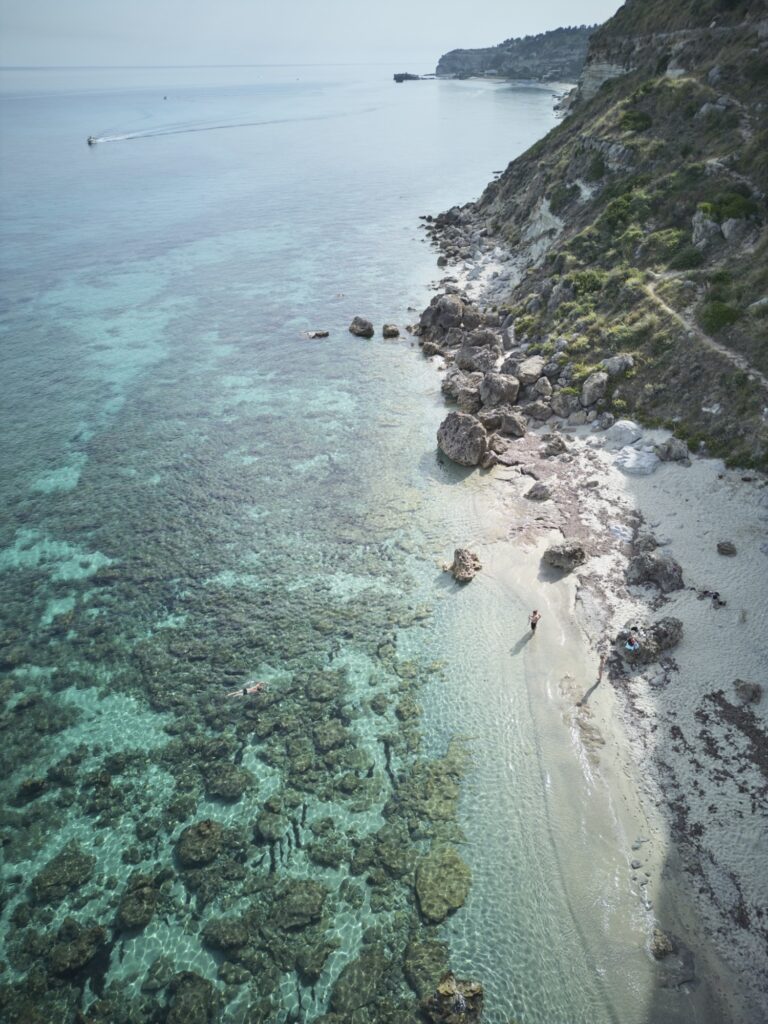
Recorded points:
(190, 128)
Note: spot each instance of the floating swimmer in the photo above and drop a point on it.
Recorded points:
(246, 691)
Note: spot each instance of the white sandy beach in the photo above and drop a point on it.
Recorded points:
(680, 766)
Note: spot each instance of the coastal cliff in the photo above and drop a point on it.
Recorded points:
(556, 56)
(637, 227)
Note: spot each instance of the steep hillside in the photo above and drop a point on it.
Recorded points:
(639, 225)
(556, 56)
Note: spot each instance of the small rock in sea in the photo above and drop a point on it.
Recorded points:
(454, 1002)
(539, 492)
(361, 327)
(661, 944)
(390, 331)
(726, 547)
(635, 865)
(317, 334)
(747, 692)
(464, 566)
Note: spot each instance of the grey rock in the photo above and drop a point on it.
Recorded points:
(623, 432)
(706, 232)
(543, 387)
(673, 450)
(579, 418)
(662, 944)
(464, 566)
(462, 438)
(637, 463)
(468, 400)
(565, 556)
(726, 547)
(540, 410)
(513, 424)
(529, 370)
(539, 492)
(555, 445)
(480, 358)
(449, 311)
(618, 364)
(593, 388)
(604, 421)
(390, 331)
(650, 567)
(499, 389)
(565, 404)
(361, 327)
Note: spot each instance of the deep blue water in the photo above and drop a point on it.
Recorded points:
(194, 495)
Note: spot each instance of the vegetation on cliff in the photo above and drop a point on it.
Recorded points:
(549, 56)
(641, 223)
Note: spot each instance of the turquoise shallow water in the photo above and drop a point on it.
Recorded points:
(195, 495)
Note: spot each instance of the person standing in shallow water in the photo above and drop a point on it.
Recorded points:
(533, 618)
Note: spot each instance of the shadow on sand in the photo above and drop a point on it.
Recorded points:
(524, 639)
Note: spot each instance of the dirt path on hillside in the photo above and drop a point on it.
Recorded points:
(695, 331)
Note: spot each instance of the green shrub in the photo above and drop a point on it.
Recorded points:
(635, 121)
(586, 281)
(729, 206)
(716, 315)
(661, 246)
(688, 258)
(561, 196)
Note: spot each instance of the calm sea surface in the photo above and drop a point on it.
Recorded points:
(195, 495)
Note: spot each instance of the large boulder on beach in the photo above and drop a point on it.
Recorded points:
(361, 327)
(623, 432)
(593, 388)
(464, 565)
(448, 311)
(513, 423)
(462, 438)
(565, 556)
(650, 567)
(636, 462)
(468, 400)
(499, 389)
(529, 371)
(653, 639)
(473, 357)
(442, 883)
(564, 404)
(673, 450)
(456, 379)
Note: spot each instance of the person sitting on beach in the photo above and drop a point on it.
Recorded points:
(633, 643)
(248, 690)
(533, 618)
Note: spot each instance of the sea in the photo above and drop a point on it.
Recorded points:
(196, 495)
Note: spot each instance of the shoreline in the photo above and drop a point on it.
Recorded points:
(658, 773)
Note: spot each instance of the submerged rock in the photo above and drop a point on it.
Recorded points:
(464, 566)
(358, 983)
(726, 547)
(137, 904)
(442, 883)
(193, 999)
(424, 965)
(300, 902)
(747, 692)
(454, 1002)
(75, 946)
(200, 843)
(67, 871)
(462, 438)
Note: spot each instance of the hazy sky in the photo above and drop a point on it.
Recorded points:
(408, 32)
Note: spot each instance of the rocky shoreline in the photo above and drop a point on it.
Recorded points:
(596, 480)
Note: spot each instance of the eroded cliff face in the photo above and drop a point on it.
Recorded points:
(556, 56)
(656, 246)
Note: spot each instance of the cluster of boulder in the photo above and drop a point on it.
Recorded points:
(498, 387)
(363, 328)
